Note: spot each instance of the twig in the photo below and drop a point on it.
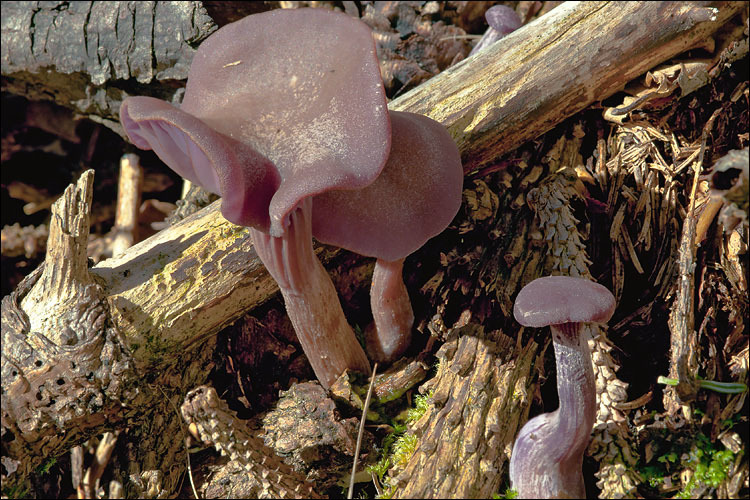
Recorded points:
(128, 202)
(90, 483)
(683, 359)
(361, 430)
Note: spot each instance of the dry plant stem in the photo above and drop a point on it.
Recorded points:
(362, 420)
(128, 203)
(548, 454)
(104, 450)
(391, 312)
(76, 466)
(310, 297)
(683, 340)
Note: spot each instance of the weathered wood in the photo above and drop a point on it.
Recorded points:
(561, 63)
(64, 369)
(71, 52)
(128, 202)
(183, 284)
(480, 400)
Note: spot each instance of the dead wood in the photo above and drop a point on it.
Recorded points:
(72, 53)
(128, 203)
(554, 67)
(480, 400)
(158, 302)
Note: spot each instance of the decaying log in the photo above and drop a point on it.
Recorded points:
(71, 52)
(480, 401)
(577, 54)
(63, 364)
(167, 296)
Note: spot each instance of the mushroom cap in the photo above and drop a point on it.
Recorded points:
(502, 18)
(301, 88)
(553, 300)
(205, 157)
(415, 197)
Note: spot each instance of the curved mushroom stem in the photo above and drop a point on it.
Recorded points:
(310, 297)
(391, 311)
(548, 453)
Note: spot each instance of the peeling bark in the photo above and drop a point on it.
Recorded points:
(89, 56)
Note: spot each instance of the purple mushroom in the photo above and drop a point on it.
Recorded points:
(502, 20)
(270, 121)
(414, 198)
(548, 452)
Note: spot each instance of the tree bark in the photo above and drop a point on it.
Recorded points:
(73, 52)
(481, 398)
(160, 302)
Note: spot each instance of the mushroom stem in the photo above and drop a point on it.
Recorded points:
(548, 453)
(391, 311)
(310, 298)
(576, 389)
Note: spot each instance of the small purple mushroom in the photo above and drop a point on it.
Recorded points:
(548, 452)
(414, 198)
(502, 20)
(270, 122)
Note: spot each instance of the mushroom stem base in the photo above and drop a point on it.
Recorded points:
(391, 312)
(548, 453)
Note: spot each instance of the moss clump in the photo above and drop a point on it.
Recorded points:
(398, 446)
(708, 466)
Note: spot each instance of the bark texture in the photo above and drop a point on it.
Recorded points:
(73, 52)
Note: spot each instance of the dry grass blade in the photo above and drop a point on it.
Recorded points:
(361, 430)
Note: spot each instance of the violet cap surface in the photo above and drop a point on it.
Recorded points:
(553, 300)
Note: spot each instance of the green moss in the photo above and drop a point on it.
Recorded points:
(360, 334)
(46, 466)
(399, 446)
(403, 449)
(710, 466)
(421, 404)
(509, 493)
(16, 491)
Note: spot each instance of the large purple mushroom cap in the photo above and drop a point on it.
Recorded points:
(269, 121)
(305, 114)
(414, 198)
